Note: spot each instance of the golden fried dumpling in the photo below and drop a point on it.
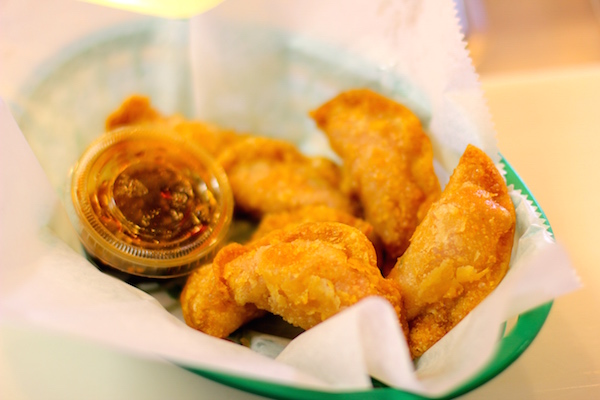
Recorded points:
(269, 175)
(459, 253)
(210, 138)
(318, 213)
(388, 162)
(134, 110)
(306, 273)
(208, 306)
(313, 213)
(137, 110)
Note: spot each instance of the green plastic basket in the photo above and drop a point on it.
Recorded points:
(80, 85)
(510, 347)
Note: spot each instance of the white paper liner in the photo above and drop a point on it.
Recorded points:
(45, 283)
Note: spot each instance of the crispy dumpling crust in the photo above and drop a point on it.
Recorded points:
(459, 253)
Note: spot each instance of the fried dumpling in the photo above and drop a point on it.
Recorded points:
(269, 175)
(388, 162)
(459, 253)
(306, 273)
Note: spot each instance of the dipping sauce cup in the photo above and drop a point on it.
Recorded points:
(148, 203)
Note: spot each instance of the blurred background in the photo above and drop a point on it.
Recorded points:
(524, 35)
(539, 64)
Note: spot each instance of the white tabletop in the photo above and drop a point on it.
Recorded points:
(548, 127)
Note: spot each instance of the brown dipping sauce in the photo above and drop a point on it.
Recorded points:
(154, 204)
(151, 196)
